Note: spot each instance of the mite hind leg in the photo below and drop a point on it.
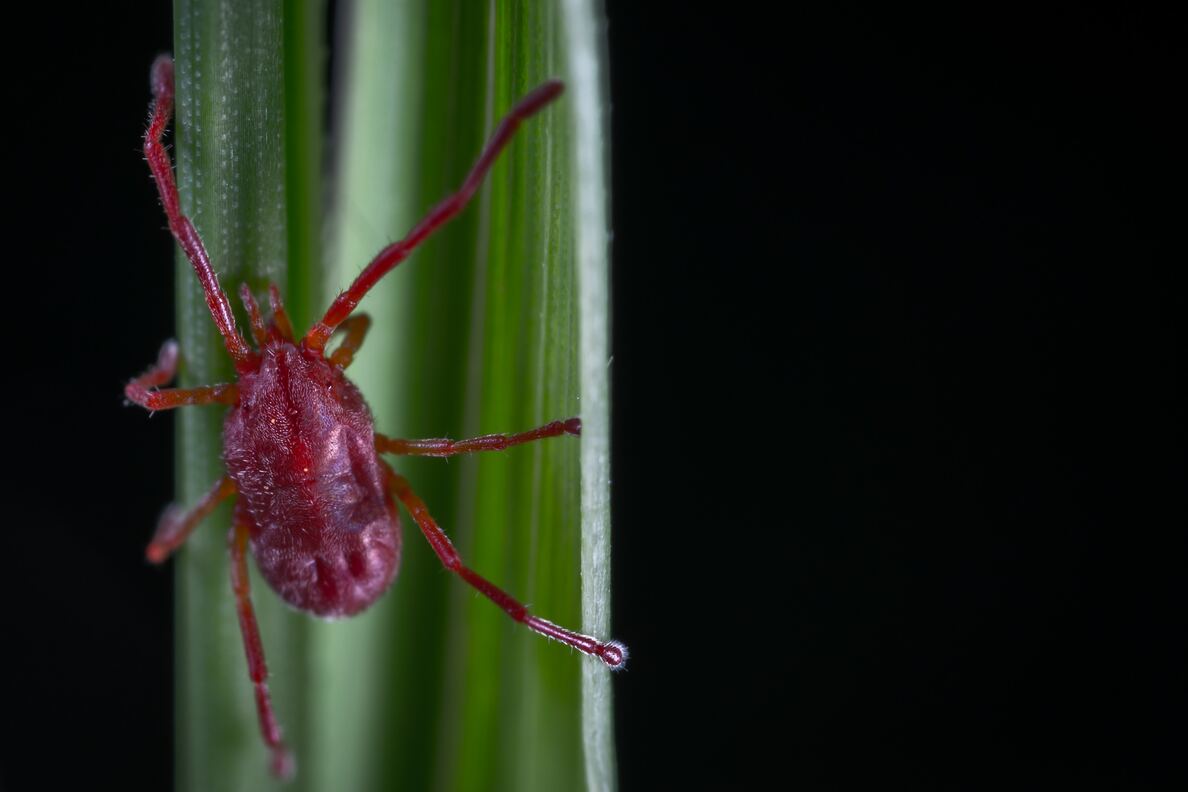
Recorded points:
(176, 524)
(613, 653)
(282, 759)
(143, 390)
(444, 447)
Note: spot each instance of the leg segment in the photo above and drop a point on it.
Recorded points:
(393, 254)
(356, 328)
(280, 319)
(282, 760)
(613, 653)
(138, 390)
(182, 228)
(176, 525)
(259, 331)
(443, 447)
(170, 398)
(160, 372)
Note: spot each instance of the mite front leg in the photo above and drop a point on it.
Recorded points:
(356, 328)
(259, 330)
(170, 398)
(139, 390)
(443, 447)
(282, 759)
(176, 525)
(346, 302)
(280, 319)
(613, 653)
(182, 228)
(160, 373)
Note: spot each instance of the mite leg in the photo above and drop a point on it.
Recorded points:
(280, 319)
(259, 331)
(345, 304)
(282, 760)
(170, 398)
(160, 372)
(356, 328)
(182, 228)
(176, 525)
(443, 447)
(613, 653)
(138, 390)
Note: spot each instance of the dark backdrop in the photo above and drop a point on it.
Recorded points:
(899, 472)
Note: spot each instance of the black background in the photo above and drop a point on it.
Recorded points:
(899, 472)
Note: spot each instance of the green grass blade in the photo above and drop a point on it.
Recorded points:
(478, 332)
(248, 165)
(367, 727)
(498, 324)
(586, 48)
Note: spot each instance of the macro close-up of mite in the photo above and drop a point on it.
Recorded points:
(315, 504)
(383, 372)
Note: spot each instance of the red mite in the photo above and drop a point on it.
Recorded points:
(317, 506)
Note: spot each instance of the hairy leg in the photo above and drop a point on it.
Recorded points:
(355, 327)
(346, 302)
(176, 524)
(139, 390)
(443, 447)
(613, 653)
(259, 331)
(181, 226)
(280, 319)
(170, 398)
(282, 759)
(161, 372)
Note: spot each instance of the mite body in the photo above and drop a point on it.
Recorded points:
(316, 505)
(300, 447)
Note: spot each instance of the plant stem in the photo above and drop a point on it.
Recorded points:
(239, 167)
(498, 324)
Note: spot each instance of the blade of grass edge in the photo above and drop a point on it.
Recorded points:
(586, 48)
